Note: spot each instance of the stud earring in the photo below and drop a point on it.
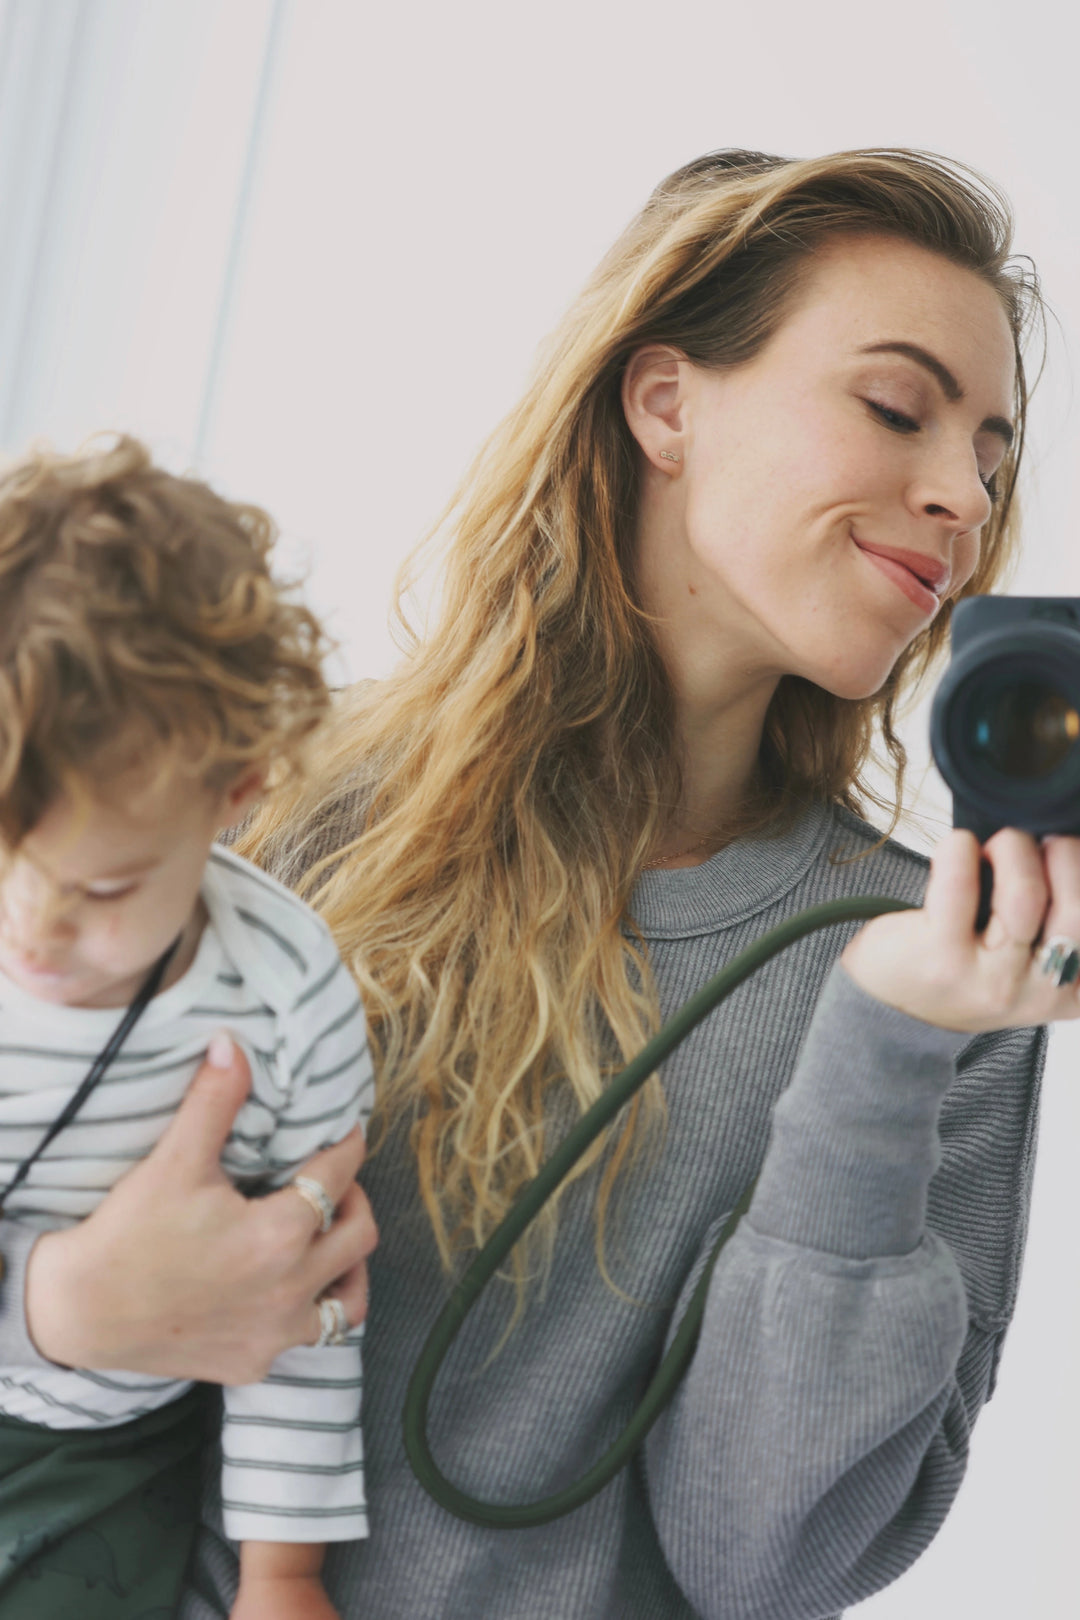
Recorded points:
(666, 455)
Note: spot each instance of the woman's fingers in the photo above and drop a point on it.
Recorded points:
(352, 1291)
(335, 1169)
(339, 1260)
(932, 964)
(191, 1144)
(1061, 858)
(350, 1240)
(336, 1263)
(1021, 892)
(951, 901)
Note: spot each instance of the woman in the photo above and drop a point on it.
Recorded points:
(681, 592)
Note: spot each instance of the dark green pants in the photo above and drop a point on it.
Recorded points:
(97, 1524)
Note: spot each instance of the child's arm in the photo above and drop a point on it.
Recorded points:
(282, 1582)
(293, 1454)
(293, 1459)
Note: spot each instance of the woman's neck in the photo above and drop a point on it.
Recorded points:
(722, 677)
(719, 748)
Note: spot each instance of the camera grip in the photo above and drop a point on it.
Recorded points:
(986, 892)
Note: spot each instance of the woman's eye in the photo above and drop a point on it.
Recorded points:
(893, 419)
(899, 423)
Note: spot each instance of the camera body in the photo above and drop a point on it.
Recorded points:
(1005, 723)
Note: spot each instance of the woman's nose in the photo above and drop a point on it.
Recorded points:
(955, 492)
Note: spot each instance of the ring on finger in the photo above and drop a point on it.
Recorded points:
(333, 1323)
(1059, 960)
(314, 1193)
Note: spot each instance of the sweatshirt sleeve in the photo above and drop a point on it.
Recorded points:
(292, 1452)
(293, 1459)
(821, 1433)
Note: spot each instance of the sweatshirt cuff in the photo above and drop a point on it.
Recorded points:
(17, 1348)
(292, 1526)
(854, 1138)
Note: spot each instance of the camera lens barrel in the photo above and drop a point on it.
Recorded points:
(1005, 727)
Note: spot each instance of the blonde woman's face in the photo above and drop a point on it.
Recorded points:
(872, 422)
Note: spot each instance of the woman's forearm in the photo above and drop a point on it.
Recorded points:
(820, 1435)
(826, 1363)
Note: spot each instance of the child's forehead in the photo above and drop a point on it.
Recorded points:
(119, 828)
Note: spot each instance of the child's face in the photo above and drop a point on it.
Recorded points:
(98, 890)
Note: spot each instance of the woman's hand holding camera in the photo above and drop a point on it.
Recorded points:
(932, 964)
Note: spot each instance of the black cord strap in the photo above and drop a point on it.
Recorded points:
(145, 994)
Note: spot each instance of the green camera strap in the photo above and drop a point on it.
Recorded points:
(513, 1516)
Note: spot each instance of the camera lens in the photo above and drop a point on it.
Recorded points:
(1005, 728)
(1022, 730)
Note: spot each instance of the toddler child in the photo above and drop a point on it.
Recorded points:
(152, 673)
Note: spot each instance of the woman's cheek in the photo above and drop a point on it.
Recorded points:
(965, 560)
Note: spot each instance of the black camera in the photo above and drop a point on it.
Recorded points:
(1005, 724)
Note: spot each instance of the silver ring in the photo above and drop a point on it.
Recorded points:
(333, 1323)
(1059, 960)
(314, 1193)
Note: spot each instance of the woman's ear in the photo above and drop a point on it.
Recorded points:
(654, 400)
(241, 796)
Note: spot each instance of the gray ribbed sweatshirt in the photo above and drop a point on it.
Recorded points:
(853, 1325)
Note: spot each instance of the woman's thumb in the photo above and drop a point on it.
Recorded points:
(195, 1136)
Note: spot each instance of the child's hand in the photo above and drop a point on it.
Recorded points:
(282, 1581)
(283, 1597)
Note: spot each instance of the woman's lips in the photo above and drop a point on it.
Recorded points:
(912, 587)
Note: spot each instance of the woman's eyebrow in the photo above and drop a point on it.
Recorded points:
(949, 385)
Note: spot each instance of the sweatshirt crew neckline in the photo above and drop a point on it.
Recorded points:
(736, 883)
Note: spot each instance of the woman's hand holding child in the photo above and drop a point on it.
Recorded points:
(101, 1293)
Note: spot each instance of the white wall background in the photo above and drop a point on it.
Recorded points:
(310, 246)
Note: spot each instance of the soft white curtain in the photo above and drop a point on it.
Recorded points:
(129, 131)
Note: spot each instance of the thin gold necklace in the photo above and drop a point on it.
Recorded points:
(665, 860)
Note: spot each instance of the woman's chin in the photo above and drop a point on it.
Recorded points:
(854, 682)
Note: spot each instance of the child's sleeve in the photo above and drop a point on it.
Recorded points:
(293, 1462)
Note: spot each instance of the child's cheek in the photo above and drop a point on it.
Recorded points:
(115, 942)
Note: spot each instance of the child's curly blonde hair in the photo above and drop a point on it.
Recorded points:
(140, 625)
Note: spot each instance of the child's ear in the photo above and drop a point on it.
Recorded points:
(241, 796)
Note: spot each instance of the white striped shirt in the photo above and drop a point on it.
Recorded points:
(267, 970)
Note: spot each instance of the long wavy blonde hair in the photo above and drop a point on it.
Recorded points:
(508, 781)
